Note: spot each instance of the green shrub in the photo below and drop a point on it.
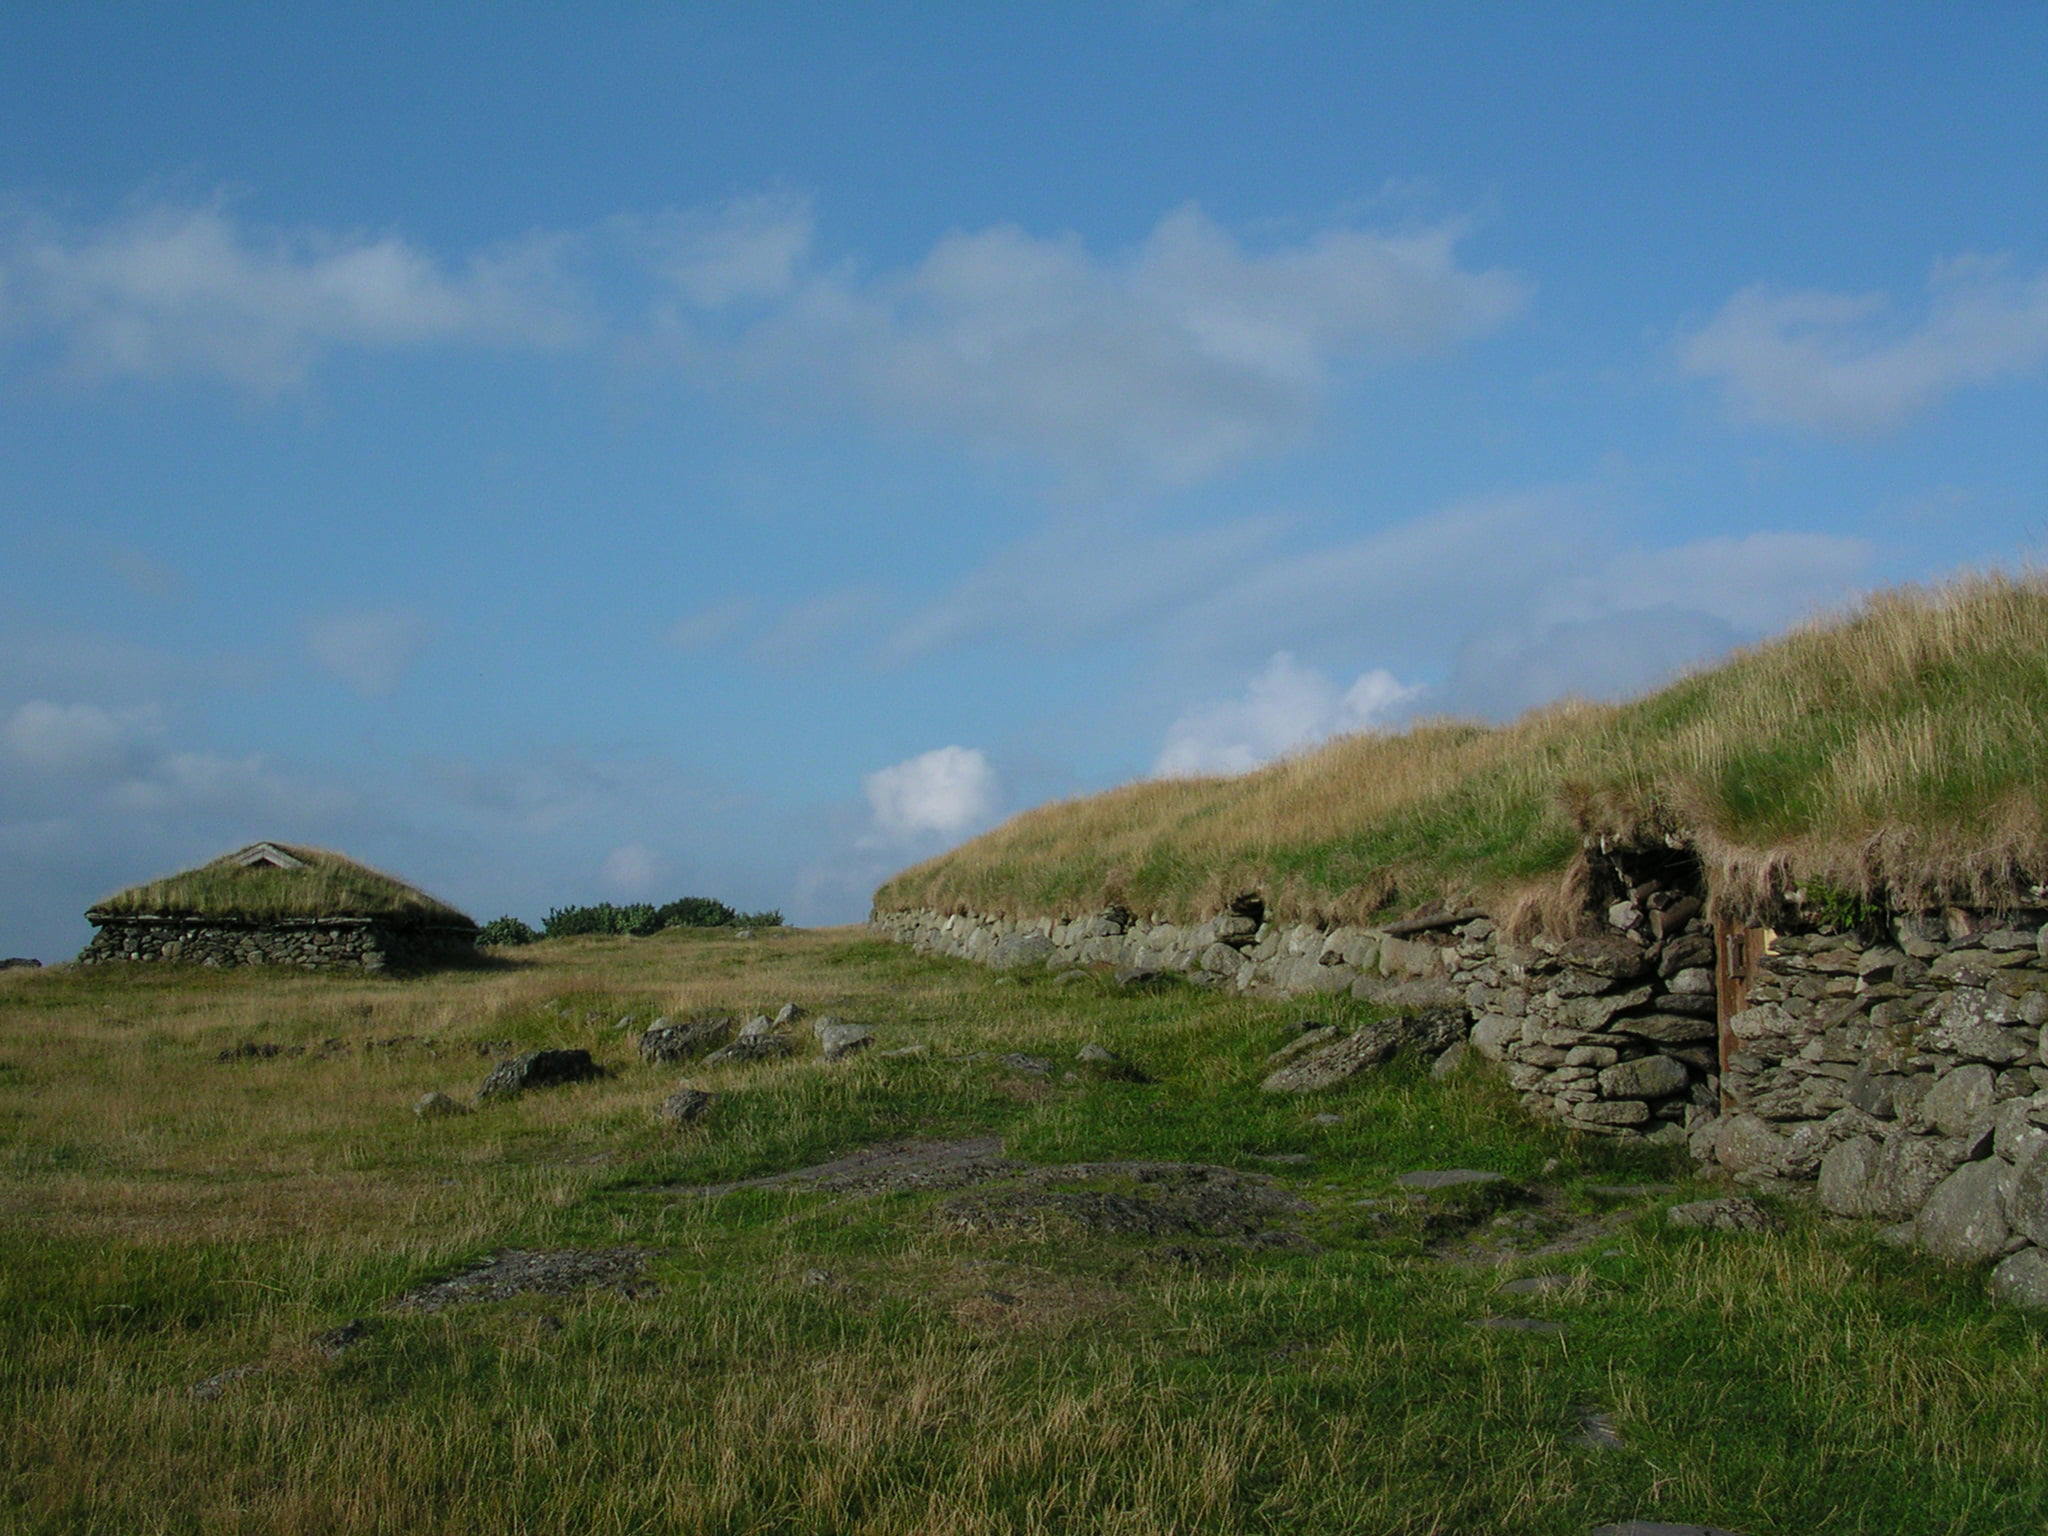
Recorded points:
(504, 931)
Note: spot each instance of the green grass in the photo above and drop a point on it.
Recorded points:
(164, 1216)
(1895, 753)
(327, 885)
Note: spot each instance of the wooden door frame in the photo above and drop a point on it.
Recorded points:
(1738, 954)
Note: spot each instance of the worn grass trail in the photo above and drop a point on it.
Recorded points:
(857, 1363)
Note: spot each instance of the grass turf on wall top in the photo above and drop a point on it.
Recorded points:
(326, 884)
(1895, 753)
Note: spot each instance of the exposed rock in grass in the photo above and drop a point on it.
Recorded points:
(438, 1105)
(1100, 1061)
(670, 1040)
(893, 1166)
(1149, 1200)
(788, 1014)
(2022, 1280)
(1536, 1285)
(1433, 1030)
(1517, 1325)
(538, 1069)
(1597, 1431)
(761, 1046)
(837, 1039)
(1734, 1214)
(521, 1272)
(1447, 1178)
(1018, 1061)
(686, 1106)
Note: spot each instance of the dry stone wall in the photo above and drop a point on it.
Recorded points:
(1612, 1035)
(1904, 1074)
(1901, 1077)
(310, 944)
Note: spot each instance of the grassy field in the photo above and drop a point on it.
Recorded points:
(1895, 751)
(858, 1363)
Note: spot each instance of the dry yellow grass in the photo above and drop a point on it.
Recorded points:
(1895, 752)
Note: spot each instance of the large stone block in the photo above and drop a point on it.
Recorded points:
(1960, 1101)
(1649, 1077)
(1961, 1221)
(1846, 1174)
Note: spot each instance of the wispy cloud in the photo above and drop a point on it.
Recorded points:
(1846, 363)
(1157, 366)
(192, 290)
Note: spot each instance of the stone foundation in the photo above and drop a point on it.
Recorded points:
(310, 944)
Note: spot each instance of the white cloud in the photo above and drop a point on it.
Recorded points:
(747, 248)
(632, 870)
(1161, 365)
(1284, 709)
(190, 290)
(944, 792)
(78, 739)
(369, 651)
(247, 787)
(1833, 362)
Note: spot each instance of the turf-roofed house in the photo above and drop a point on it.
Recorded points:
(280, 904)
(1789, 913)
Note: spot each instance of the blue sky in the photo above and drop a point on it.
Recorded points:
(620, 452)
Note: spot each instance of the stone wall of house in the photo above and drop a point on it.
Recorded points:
(310, 944)
(1901, 1076)
(1904, 1074)
(1611, 1034)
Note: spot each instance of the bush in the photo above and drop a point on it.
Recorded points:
(639, 919)
(505, 930)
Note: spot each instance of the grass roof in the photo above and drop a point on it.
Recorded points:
(1897, 752)
(327, 884)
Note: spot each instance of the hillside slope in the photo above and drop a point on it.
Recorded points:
(1897, 751)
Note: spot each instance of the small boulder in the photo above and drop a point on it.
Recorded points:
(788, 1014)
(1021, 951)
(838, 1040)
(538, 1069)
(438, 1105)
(1017, 1061)
(670, 1040)
(2022, 1280)
(1650, 1077)
(685, 1106)
(1962, 1221)
(758, 1047)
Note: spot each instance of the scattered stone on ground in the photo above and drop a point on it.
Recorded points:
(1017, 1061)
(1518, 1324)
(2022, 1280)
(1312, 1036)
(1450, 1060)
(1734, 1214)
(893, 1166)
(1154, 1200)
(1100, 1061)
(338, 1341)
(669, 1040)
(1430, 1029)
(837, 1039)
(1327, 1119)
(1133, 977)
(1073, 978)
(788, 1014)
(1628, 1191)
(760, 1024)
(1536, 1285)
(538, 1069)
(1294, 1158)
(522, 1272)
(685, 1106)
(437, 1105)
(1597, 1431)
(915, 1048)
(1447, 1178)
(759, 1046)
